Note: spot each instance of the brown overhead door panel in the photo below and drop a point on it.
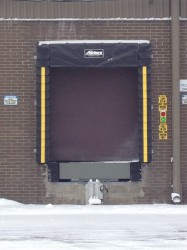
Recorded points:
(94, 114)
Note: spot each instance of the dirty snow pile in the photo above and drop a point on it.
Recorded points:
(65, 227)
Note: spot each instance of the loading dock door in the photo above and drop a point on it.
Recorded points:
(93, 101)
(94, 114)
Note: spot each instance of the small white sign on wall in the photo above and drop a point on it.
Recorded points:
(183, 85)
(10, 100)
(184, 99)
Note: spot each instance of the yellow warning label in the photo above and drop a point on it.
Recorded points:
(163, 136)
(162, 100)
(162, 107)
(163, 128)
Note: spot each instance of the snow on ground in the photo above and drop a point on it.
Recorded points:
(71, 227)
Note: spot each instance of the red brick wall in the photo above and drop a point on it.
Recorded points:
(21, 178)
(183, 54)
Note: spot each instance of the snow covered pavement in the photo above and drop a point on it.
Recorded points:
(65, 227)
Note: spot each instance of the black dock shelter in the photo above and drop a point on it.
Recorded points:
(94, 108)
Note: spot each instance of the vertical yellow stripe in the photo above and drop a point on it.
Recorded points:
(43, 83)
(145, 132)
